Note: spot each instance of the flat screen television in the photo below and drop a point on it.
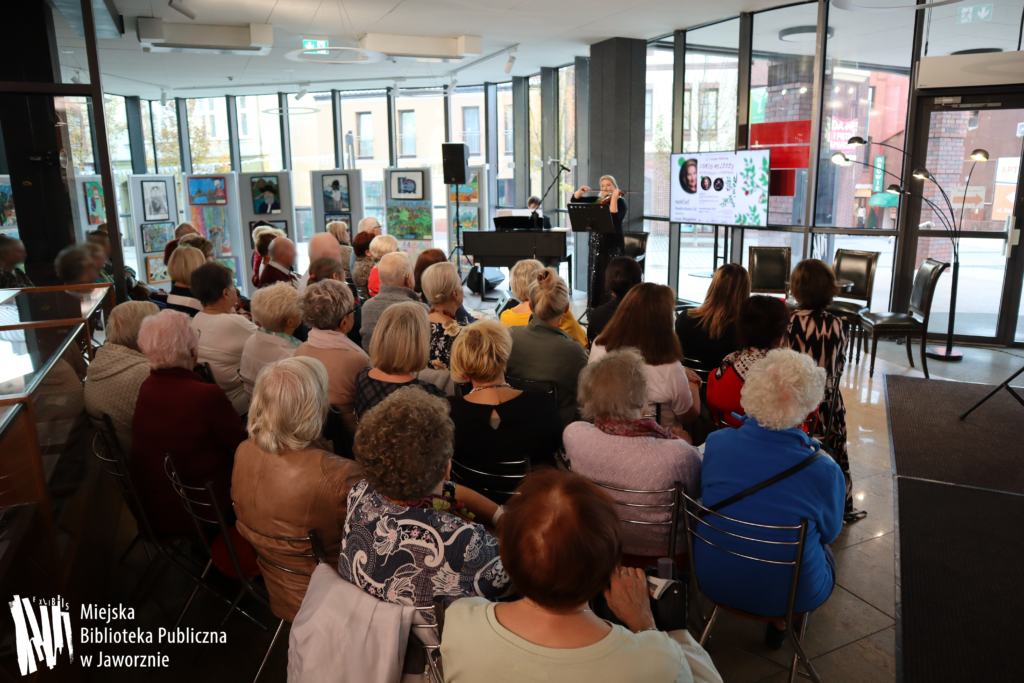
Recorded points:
(720, 188)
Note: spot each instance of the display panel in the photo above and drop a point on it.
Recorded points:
(720, 188)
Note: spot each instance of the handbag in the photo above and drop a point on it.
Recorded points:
(669, 610)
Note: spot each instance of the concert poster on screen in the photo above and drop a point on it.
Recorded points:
(720, 188)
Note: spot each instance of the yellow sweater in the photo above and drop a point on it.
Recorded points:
(568, 324)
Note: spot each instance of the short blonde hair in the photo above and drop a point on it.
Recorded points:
(272, 306)
(168, 340)
(614, 387)
(325, 304)
(440, 282)
(289, 404)
(184, 229)
(549, 295)
(383, 244)
(199, 242)
(339, 230)
(609, 177)
(480, 352)
(401, 339)
(782, 389)
(184, 261)
(523, 274)
(125, 320)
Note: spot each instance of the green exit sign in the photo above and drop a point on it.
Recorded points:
(315, 44)
(973, 14)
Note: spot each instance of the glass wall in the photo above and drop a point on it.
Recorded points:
(657, 151)
(536, 164)
(165, 133)
(147, 136)
(825, 247)
(79, 120)
(364, 120)
(566, 112)
(311, 135)
(710, 93)
(208, 135)
(506, 139)
(259, 133)
(468, 124)
(426, 109)
(116, 118)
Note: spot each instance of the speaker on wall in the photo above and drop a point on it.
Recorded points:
(455, 161)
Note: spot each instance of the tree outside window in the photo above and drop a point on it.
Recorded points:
(708, 113)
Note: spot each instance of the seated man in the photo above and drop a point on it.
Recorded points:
(282, 258)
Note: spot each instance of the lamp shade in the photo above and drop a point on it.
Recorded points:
(979, 155)
(856, 141)
(839, 159)
(922, 174)
(894, 189)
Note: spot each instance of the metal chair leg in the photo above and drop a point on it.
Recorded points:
(796, 636)
(874, 350)
(128, 550)
(910, 351)
(271, 648)
(707, 629)
(861, 333)
(924, 356)
(192, 597)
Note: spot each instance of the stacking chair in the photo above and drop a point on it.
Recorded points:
(905, 324)
(769, 269)
(859, 268)
(544, 385)
(696, 518)
(636, 247)
(497, 484)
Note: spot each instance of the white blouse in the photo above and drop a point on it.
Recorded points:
(221, 341)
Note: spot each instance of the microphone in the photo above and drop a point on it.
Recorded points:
(560, 163)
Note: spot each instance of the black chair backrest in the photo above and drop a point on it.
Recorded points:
(497, 484)
(542, 385)
(636, 245)
(336, 432)
(859, 268)
(769, 269)
(924, 287)
(205, 372)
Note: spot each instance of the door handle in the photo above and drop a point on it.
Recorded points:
(1012, 234)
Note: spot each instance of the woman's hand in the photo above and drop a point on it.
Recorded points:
(630, 600)
(579, 192)
(693, 378)
(682, 434)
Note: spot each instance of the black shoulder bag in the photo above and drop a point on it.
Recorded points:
(806, 462)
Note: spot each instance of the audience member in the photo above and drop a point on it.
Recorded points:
(321, 245)
(74, 266)
(340, 232)
(560, 546)
(644, 322)
(371, 227)
(379, 247)
(12, 255)
(223, 333)
(178, 413)
(396, 287)
(541, 351)
(362, 263)
(328, 308)
(761, 327)
(401, 350)
(625, 450)
(199, 242)
(325, 269)
(283, 485)
(263, 236)
(779, 392)
(427, 258)
(99, 259)
(623, 274)
(824, 337)
(410, 535)
(119, 369)
(523, 275)
(708, 332)
(495, 423)
(179, 232)
(282, 258)
(275, 309)
(442, 288)
(184, 261)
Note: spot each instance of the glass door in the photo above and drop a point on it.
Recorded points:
(971, 147)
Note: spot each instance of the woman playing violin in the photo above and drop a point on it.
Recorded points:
(604, 247)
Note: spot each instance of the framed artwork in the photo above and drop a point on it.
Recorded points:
(94, 208)
(156, 270)
(280, 225)
(414, 248)
(154, 201)
(470, 192)
(345, 218)
(410, 220)
(8, 216)
(266, 194)
(336, 197)
(155, 236)
(207, 191)
(212, 223)
(469, 218)
(233, 265)
(407, 185)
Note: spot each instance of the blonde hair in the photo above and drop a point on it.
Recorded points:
(383, 244)
(289, 404)
(184, 261)
(126, 319)
(522, 276)
(323, 303)
(339, 230)
(730, 287)
(272, 306)
(782, 389)
(401, 339)
(549, 295)
(184, 229)
(611, 178)
(440, 282)
(480, 352)
(199, 242)
(614, 387)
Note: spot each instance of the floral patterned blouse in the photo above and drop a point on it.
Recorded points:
(442, 336)
(408, 555)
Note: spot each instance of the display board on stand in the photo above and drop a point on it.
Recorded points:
(264, 196)
(8, 215)
(337, 196)
(154, 208)
(409, 212)
(212, 203)
(91, 208)
(472, 207)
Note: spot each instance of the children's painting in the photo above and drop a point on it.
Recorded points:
(154, 201)
(94, 202)
(156, 270)
(414, 247)
(336, 198)
(8, 216)
(407, 185)
(345, 218)
(207, 191)
(266, 194)
(212, 223)
(469, 219)
(410, 220)
(155, 236)
(232, 263)
(470, 192)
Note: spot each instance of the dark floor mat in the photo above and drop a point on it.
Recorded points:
(930, 442)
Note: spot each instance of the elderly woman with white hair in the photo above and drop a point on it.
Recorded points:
(380, 247)
(283, 485)
(119, 369)
(622, 449)
(276, 310)
(180, 414)
(779, 392)
(442, 288)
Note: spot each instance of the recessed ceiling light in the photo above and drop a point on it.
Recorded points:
(802, 34)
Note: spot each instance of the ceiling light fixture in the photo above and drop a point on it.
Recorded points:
(179, 6)
(163, 97)
(851, 6)
(77, 78)
(303, 91)
(511, 62)
(336, 55)
(979, 155)
(803, 34)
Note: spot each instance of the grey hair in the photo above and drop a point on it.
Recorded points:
(325, 304)
(126, 319)
(289, 404)
(614, 387)
(782, 389)
(272, 306)
(383, 244)
(394, 268)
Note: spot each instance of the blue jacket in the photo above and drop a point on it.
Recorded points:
(735, 460)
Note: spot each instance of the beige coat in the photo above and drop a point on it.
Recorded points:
(342, 368)
(112, 387)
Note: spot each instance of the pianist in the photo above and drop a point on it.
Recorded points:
(533, 204)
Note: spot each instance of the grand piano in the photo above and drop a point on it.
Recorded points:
(500, 249)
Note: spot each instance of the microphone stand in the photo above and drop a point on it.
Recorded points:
(535, 222)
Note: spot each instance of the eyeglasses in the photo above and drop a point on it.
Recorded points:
(789, 326)
(351, 311)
